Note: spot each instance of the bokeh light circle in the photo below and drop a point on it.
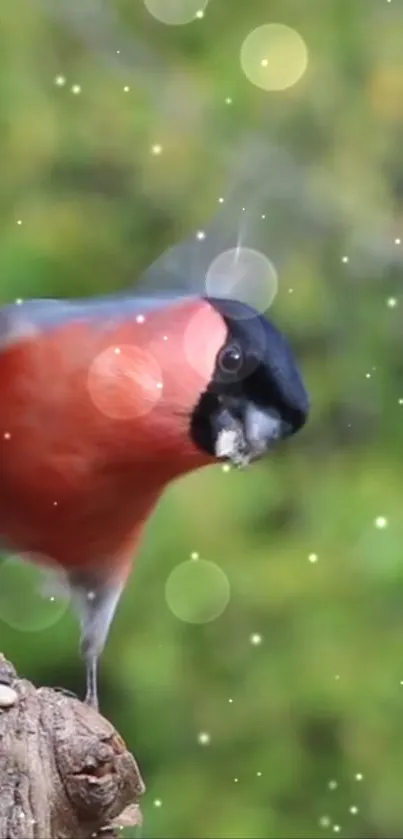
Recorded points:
(176, 12)
(125, 382)
(197, 592)
(202, 342)
(25, 604)
(274, 56)
(245, 275)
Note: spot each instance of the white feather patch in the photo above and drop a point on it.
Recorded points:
(230, 444)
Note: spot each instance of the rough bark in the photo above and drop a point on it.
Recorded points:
(64, 770)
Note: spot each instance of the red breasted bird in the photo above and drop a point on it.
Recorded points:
(105, 401)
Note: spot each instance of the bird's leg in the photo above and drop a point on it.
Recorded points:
(95, 602)
(91, 681)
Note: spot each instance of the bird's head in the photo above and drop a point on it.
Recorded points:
(213, 380)
(255, 396)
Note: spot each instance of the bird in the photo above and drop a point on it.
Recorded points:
(108, 399)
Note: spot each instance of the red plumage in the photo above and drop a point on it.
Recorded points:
(90, 438)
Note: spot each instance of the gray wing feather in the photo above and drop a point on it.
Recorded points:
(260, 210)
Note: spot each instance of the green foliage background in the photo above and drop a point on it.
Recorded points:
(321, 698)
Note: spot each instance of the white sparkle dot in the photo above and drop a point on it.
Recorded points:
(226, 467)
(156, 149)
(256, 639)
(332, 784)
(324, 821)
(200, 235)
(400, 401)
(165, 338)
(259, 774)
(230, 701)
(236, 780)
(55, 503)
(117, 350)
(194, 555)
(140, 318)
(392, 302)
(117, 52)
(203, 738)
(263, 216)
(290, 291)
(157, 802)
(398, 241)
(159, 385)
(264, 62)
(126, 88)
(313, 558)
(228, 100)
(76, 89)
(358, 776)
(381, 522)
(52, 599)
(353, 810)
(368, 375)
(7, 435)
(221, 201)
(200, 14)
(19, 221)
(91, 595)
(60, 81)
(336, 828)
(345, 259)
(337, 677)
(19, 301)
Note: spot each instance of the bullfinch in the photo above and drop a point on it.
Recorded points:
(106, 401)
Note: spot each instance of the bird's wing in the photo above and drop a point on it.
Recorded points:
(260, 210)
(182, 268)
(24, 319)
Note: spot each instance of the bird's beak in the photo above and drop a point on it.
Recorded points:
(242, 440)
(263, 428)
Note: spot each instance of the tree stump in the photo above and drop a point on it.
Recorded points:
(64, 770)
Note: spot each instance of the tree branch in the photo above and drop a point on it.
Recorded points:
(64, 770)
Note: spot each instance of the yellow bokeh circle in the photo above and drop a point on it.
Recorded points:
(176, 12)
(25, 605)
(197, 591)
(274, 56)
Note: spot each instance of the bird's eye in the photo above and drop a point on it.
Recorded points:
(231, 359)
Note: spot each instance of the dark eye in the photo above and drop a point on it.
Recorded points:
(231, 359)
